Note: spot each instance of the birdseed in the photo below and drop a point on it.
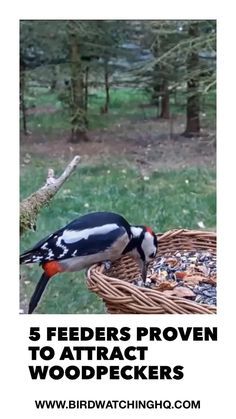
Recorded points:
(184, 274)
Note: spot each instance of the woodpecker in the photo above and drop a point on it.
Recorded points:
(91, 238)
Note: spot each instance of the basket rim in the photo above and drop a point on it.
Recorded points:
(187, 232)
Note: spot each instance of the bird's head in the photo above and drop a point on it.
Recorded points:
(143, 247)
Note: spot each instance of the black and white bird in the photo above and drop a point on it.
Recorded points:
(91, 238)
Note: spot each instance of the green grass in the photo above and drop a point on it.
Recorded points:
(49, 123)
(125, 104)
(172, 199)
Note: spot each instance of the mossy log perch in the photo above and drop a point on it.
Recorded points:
(30, 207)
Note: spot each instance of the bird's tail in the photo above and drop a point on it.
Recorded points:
(38, 292)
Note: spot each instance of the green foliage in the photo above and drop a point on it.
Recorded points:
(172, 199)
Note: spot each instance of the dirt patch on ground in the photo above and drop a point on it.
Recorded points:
(39, 110)
(151, 144)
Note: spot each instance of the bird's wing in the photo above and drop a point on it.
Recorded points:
(71, 242)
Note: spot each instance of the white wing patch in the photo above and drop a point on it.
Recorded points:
(65, 250)
(73, 236)
(50, 255)
(136, 231)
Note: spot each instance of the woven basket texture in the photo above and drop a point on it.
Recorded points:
(122, 297)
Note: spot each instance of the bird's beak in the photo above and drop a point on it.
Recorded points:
(144, 271)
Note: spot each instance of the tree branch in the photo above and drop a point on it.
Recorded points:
(30, 207)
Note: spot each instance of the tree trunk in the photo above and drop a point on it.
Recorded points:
(22, 97)
(86, 88)
(78, 113)
(193, 95)
(107, 87)
(156, 98)
(54, 79)
(165, 102)
(156, 89)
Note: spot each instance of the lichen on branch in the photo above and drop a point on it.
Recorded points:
(31, 206)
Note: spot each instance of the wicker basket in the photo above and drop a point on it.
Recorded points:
(122, 297)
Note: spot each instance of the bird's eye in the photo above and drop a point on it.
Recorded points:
(152, 255)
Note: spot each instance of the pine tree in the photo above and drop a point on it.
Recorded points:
(77, 100)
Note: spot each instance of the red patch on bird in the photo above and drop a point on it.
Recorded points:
(149, 230)
(52, 268)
